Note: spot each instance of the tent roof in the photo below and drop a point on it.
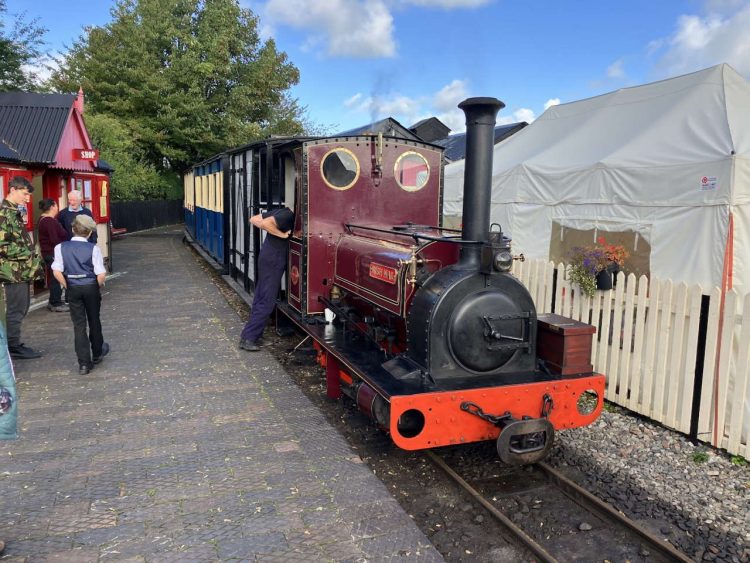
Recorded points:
(650, 143)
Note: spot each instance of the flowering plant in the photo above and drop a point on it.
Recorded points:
(587, 261)
(615, 252)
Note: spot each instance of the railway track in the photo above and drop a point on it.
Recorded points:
(558, 521)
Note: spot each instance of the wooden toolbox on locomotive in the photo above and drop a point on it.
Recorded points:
(564, 344)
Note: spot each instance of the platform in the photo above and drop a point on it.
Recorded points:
(179, 446)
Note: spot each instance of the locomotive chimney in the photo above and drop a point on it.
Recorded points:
(480, 136)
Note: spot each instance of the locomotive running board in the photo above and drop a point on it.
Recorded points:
(421, 417)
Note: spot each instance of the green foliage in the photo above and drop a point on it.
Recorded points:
(611, 407)
(133, 178)
(738, 460)
(582, 276)
(20, 48)
(700, 457)
(186, 78)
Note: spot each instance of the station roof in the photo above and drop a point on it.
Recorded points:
(8, 152)
(33, 124)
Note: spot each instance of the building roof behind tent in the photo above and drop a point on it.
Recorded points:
(33, 124)
(430, 129)
(388, 126)
(455, 145)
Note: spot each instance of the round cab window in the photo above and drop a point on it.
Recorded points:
(340, 169)
(412, 171)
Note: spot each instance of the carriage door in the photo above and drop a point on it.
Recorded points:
(236, 213)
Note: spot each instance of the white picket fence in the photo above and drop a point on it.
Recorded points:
(647, 346)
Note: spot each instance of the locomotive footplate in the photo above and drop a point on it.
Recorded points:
(422, 417)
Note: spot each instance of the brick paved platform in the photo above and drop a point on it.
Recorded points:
(179, 447)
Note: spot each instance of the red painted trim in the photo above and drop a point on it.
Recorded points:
(446, 423)
(333, 383)
(726, 285)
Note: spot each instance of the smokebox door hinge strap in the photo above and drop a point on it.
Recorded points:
(476, 410)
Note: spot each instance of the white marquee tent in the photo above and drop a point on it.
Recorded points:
(669, 161)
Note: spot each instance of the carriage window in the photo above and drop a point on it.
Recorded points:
(340, 169)
(411, 171)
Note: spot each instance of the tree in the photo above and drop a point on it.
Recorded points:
(187, 78)
(133, 178)
(19, 50)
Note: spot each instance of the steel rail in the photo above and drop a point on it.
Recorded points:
(526, 540)
(577, 492)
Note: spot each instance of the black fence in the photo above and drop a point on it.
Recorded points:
(140, 215)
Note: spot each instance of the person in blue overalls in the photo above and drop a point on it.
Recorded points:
(79, 267)
(271, 265)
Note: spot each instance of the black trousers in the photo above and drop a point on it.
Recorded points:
(85, 303)
(55, 289)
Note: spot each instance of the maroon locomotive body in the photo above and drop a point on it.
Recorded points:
(433, 337)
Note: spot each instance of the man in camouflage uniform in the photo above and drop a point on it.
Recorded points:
(20, 264)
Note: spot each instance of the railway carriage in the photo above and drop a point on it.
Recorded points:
(204, 191)
(423, 327)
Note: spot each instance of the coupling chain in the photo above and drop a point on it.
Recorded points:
(473, 408)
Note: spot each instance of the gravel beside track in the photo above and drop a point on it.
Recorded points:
(655, 476)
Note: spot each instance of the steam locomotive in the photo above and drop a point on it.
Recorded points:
(424, 327)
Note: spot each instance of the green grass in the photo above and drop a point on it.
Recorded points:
(738, 460)
(700, 457)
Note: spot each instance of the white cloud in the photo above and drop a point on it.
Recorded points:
(347, 28)
(524, 114)
(410, 109)
(353, 101)
(354, 28)
(443, 104)
(450, 95)
(702, 41)
(551, 102)
(455, 120)
(615, 70)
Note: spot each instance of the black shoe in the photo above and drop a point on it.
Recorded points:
(249, 345)
(83, 369)
(105, 350)
(23, 352)
(62, 308)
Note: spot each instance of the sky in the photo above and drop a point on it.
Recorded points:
(363, 60)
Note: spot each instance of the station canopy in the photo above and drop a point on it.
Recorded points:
(663, 168)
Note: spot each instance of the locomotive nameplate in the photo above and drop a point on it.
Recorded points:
(383, 273)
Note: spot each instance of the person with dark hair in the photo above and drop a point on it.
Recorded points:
(79, 267)
(51, 233)
(271, 265)
(20, 264)
(74, 209)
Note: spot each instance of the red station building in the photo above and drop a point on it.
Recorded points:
(43, 138)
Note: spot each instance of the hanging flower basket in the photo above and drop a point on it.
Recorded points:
(604, 279)
(592, 267)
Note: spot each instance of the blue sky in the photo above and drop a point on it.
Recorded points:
(362, 60)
